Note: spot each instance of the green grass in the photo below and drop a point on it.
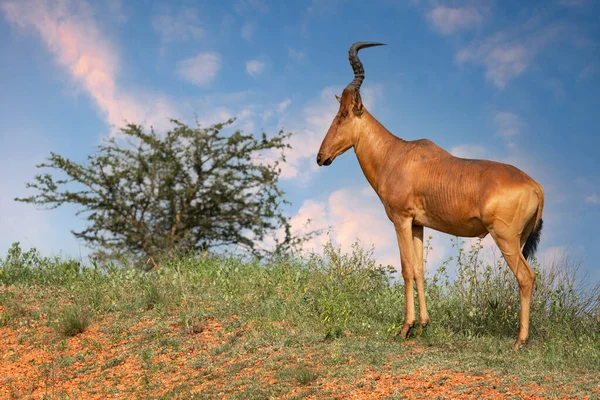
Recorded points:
(343, 309)
(74, 319)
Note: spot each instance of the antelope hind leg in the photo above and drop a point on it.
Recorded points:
(511, 250)
(419, 273)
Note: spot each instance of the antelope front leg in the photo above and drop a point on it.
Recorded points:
(407, 259)
(417, 232)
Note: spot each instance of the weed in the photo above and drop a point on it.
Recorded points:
(304, 374)
(73, 319)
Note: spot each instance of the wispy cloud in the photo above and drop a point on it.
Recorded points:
(200, 70)
(181, 25)
(254, 67)
(75, 39)
(503, 62)
(508, 54)
(449, 20)
(281, 107)
(508, 124)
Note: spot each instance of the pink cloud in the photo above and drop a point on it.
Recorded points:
(76, 41)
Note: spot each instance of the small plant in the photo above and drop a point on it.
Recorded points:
(74, 319)
(113, 362)
(304, 375)
(14, 312)
(152, 297)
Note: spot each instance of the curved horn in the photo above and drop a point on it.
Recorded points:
(357, 67)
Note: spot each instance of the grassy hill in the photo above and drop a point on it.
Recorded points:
(303, 327)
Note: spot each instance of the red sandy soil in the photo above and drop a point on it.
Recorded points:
(110, 366)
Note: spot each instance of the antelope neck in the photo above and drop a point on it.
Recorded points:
(373, 142)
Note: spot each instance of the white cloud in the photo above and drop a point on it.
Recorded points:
(448, 20)
(508, 124)
(183, 25)
(351, 214)
(508, 54)
(357, 213)
(254, 67)
(593, 199)
(200, 70)
(503, 62)
(469, 151)
(247, 31)
(281, 107)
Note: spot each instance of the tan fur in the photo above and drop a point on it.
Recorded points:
(422, 185)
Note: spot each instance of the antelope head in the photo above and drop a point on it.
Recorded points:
(344, 129)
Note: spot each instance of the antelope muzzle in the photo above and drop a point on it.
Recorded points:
(321, 160)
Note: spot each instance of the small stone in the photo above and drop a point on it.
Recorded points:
(272, 381)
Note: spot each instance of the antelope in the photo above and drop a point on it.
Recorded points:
(422, 185)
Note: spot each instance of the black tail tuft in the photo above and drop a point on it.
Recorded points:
(532, 241)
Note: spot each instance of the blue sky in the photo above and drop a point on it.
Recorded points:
(506, 80)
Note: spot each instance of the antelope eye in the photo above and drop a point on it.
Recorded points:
(345, 114)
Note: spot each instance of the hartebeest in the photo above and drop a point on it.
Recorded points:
(423, 185)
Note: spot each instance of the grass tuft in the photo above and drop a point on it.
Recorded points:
(304, 375)
(74, 319)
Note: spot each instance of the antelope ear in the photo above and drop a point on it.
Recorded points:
(358, 106)
(339, 99)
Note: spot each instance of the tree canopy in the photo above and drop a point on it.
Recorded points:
(146, 194)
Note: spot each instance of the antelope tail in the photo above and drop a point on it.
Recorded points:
(534, 238)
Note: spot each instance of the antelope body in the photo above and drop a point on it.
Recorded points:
(422, 185)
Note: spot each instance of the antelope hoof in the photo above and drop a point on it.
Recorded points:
(406, 329)
(424, 325)
(519, 343)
